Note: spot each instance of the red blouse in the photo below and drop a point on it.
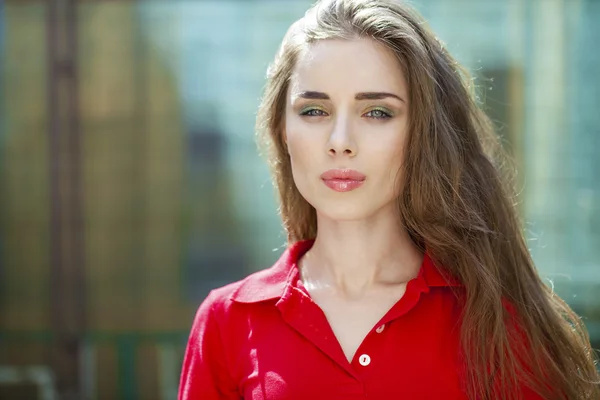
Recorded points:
(264, 338)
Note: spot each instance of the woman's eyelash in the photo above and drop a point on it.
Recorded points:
(376, 113)
(379, 113)
(313, 112)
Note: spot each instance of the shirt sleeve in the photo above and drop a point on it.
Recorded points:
(204, 373)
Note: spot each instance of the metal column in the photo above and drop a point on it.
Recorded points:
(64, 144)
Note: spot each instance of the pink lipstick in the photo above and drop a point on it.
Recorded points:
(343, 180)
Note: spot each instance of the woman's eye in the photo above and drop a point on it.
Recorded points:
(378, 114)
(314, 112)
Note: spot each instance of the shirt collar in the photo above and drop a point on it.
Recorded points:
(271, 283)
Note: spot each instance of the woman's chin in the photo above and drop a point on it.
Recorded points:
(346, 212)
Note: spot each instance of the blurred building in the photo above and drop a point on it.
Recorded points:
(150, 190)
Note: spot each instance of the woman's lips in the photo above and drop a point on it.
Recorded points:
(343, 180)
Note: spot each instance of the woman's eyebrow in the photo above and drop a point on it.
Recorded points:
(376, 96)
(309, 94)
(314, 95)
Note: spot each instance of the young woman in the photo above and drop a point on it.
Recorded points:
(407, 274)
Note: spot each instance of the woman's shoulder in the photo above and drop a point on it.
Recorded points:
(260, 286)
(266, 284)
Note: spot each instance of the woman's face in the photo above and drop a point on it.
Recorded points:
(345, 127)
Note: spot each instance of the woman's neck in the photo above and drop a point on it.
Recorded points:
(353, 257)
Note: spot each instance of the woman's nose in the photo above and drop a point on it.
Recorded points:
(341, 141)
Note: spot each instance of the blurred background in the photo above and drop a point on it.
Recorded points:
(130, 184)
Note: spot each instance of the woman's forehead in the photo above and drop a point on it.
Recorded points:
(355, 65)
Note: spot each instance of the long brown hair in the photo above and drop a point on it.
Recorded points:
(455, 202)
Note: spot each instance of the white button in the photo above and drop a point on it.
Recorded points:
(364, 360)
(380, 328)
